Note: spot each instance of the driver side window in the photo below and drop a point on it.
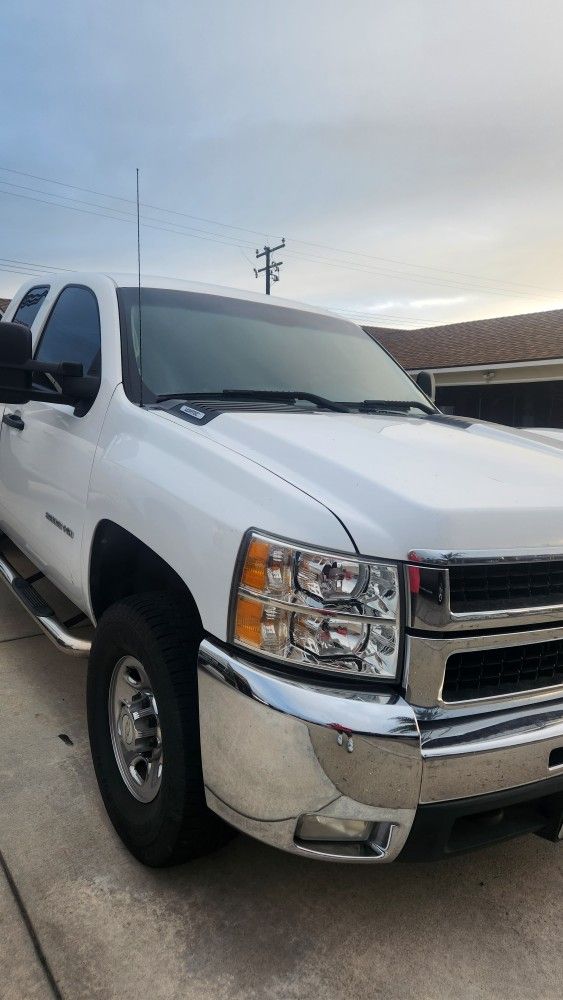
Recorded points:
(72, 333)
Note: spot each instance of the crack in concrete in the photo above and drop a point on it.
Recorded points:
(36, 943)
(18, 638)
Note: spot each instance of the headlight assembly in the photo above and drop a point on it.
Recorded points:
(314, 608)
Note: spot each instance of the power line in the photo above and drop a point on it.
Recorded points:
(441, 283)
(246, 257)
(41, 267)
(10, 265)
(307, 243)
(373, 320)
(383, 320)
(150, 223)
(426, 267)
(34, 269)
(119, 214)
(115, 197)
(38, 271)
(361, 268)
(20, 271)
(123, 215)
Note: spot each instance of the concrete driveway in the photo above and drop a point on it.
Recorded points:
(247, 922)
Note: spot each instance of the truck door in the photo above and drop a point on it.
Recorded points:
(47, 450)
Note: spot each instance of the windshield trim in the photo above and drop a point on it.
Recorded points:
(129, 370)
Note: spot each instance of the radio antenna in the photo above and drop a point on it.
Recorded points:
(139, 291)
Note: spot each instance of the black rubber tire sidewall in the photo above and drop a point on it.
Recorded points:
(159, 631)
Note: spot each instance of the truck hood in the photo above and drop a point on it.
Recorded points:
(400, 483)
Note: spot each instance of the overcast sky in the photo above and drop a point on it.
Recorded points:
(414, 148)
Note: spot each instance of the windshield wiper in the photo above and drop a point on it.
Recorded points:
(292, 395)
(267, 395)
(373, 405)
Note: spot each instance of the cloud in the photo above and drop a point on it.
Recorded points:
(437, 301)
(424, 140)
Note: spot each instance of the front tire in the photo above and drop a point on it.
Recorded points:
(143, 724)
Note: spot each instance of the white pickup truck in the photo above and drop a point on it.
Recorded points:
(323, 612)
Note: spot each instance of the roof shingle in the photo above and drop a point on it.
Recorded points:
(531, 337)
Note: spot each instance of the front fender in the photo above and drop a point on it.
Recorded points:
(191, 500)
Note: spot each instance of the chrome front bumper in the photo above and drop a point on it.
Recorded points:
(276, 748)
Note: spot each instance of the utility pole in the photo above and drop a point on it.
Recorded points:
(271, 267)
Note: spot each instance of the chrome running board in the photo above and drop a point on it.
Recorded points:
(41, 613)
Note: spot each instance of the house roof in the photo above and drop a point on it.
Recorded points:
(531, 337)
(4, 303)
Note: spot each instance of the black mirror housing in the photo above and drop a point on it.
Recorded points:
(17, 369)
(15, 354)
(15, 344)
(425, 381)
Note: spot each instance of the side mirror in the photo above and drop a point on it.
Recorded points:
(15, 354)
(426, 381)
(17, 368)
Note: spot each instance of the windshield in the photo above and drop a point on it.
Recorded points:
(194, 343)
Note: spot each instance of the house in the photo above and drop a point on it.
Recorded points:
(508, 370)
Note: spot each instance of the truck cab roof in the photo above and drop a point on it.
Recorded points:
(124, 279)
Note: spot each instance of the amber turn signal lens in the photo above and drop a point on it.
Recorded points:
(248, 622)
(255, 565)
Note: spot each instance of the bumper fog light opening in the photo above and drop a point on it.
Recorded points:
(333, 829)
(335, 836)
(380, 839)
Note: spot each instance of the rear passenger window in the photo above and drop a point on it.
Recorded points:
(30, 305)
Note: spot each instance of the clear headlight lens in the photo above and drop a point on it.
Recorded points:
(315, 608)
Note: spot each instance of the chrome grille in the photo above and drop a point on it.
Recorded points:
(486, 673)
(500, 585)
(483, 628)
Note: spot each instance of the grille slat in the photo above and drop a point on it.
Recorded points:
(485, 673)
(500, 585)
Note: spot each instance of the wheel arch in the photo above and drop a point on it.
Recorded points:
(122, 565)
